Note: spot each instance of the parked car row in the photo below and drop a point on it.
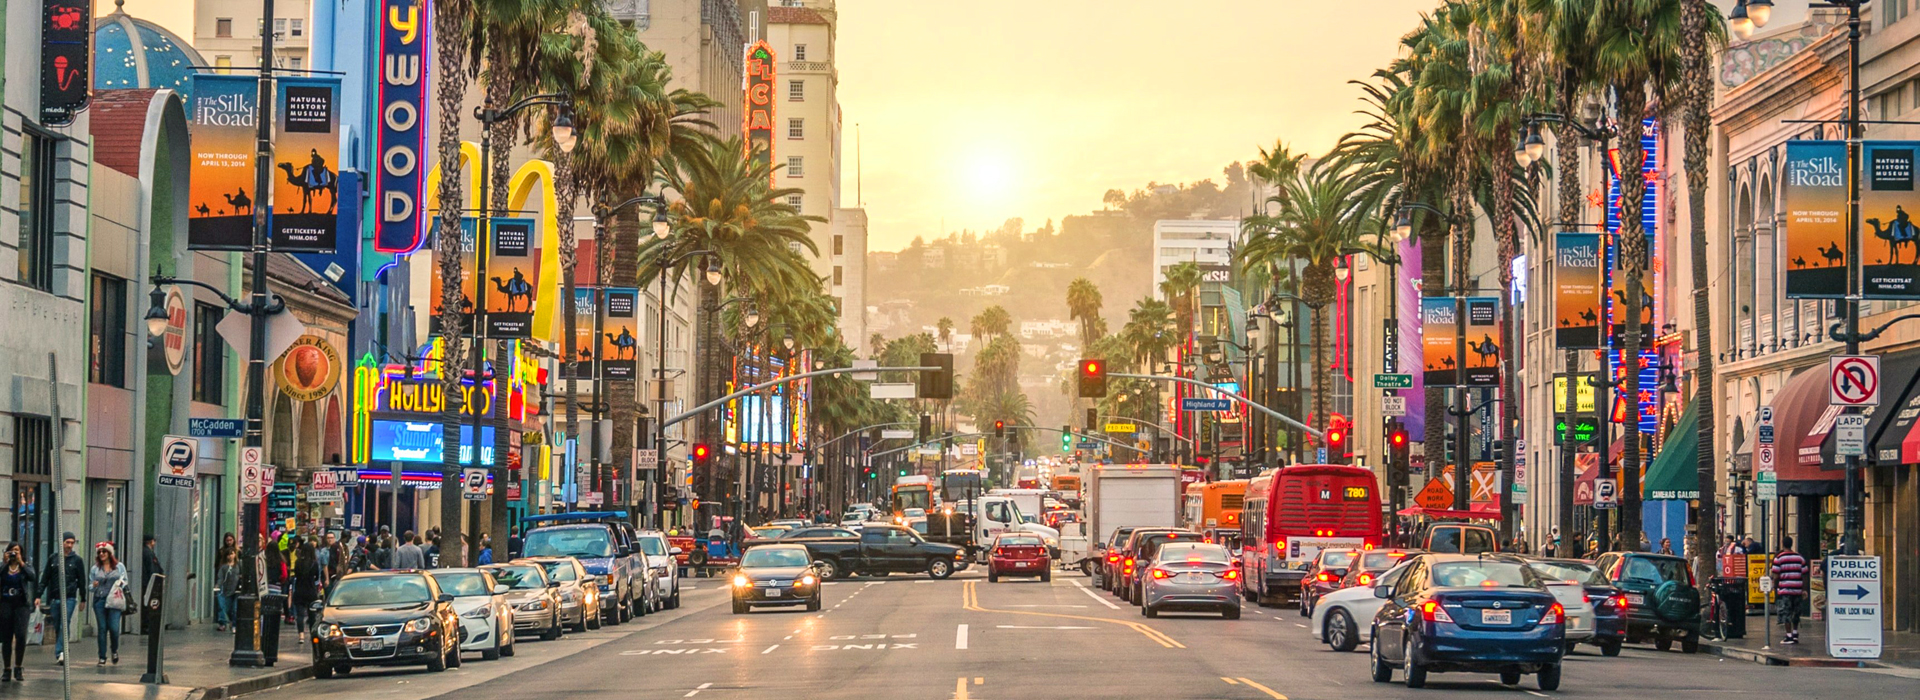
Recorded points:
(579, 571)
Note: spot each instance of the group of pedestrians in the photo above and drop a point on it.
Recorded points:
(57, 591)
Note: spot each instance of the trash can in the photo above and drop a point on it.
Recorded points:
(1732, 591)
(273, 607)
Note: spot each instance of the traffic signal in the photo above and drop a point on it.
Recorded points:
(1093, 420)
(936, 383)
(1336, 442)
(1397, 442)
(701, 453)
(1093, 378)
(999, 429)
(1066, 438)
(903, 471)
(926, 427)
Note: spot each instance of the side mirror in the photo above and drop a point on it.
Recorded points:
(445, 598)
(626, 551)
(553, 584)
(675, 551)
(1383, 591)
(501, 589)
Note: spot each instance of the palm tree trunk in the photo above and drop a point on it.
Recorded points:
(450, 28)
(1632, 105)
(1433, 283)
(1571, 208)
(1696, 120)
(622, 399)
(1506, 237)
(565, 191)
(1322, 375)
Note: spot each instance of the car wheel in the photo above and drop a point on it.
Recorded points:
(939, 569)
(1231, 612)
(1549, 677)
(494, 653)
(1611, 648)
(1416, 671)
(438, 663)
(992, 577)
(1306, 606)
(512, 642)
(553, 629)
(453, 655)
(322, 669)
(1148, 611)
(1509, 678)
(1339, 631)
(739, 608)
(1663, 642)
(1382, 673)
(674, 602)
(813, 605)
(1046, 576)
(1569, 650)
(596, 620)
(1690, 644)
(343, 670)
(623, 612)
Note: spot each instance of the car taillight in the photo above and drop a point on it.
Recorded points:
(1111, 558)
(1619, 602)
(1366, 579)
(1324, 576)
(1230, 574)
(1432, 612)
(1160, 573)
(1554, 615)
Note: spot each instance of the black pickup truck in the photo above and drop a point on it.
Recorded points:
(879, 549)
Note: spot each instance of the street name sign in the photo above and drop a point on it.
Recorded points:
(216, 427)
(1853, 607)
(1854, 380)
(1392, 381)
(1194, 403)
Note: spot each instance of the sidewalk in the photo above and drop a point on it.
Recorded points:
(196, 669)
(1901, 649)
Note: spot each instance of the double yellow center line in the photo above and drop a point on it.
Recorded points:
(970, 599)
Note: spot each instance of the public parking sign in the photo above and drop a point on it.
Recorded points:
(473, 483)
(1606, 493)
(1853, 607)
(177, 457)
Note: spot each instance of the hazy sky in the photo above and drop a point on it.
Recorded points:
(973, 112)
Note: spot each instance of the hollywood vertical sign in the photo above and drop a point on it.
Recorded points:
(759, 117)
(401, 181)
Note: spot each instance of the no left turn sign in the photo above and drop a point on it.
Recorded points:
(1854, 380)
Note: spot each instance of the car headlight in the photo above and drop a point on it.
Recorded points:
(419, 625)
(740, 581)
(535, 605)
(328, 630)
(808, 580)
(479, 613)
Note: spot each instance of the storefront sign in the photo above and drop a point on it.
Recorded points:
(1576, 289)
(306, 142)
(220, 194)
(1815, 189)
(173, 341)
(66, 59)
(400, 178)
(426, 397)
(310, 369)
(422, 441)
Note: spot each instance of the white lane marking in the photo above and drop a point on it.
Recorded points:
(1032, 627)
(1046, 606)
(1301, 626)
(789, 636)
(696, 691)
(927, 581)
(1537, 694)
(960, 637)
(1090, 594)
(770, 649)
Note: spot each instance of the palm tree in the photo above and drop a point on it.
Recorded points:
(1320, 222)
(1279, 164)
(945, 329)
(1703, 34)
(1181, 288)
(1636, 48)
(1149, 333)
(992, 321)
(450, 29)
(1083, 304)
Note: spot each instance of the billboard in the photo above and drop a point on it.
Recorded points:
(1576, 289)
(306, 143)
(220, 192)
(423, 441)
(513, 278)
(1439, 330)
(759, 116)
(400, 179)
(1890, 260)
(619, 345)
(1815, 189)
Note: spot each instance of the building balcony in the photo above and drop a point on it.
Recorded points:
(639, 12)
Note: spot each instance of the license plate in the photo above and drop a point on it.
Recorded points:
(373, 644)
(1192, 578)
(773, 593)
(1636, 599)
(1496, 617)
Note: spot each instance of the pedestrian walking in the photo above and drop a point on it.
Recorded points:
(432, 550)
(226, 581)
(108, 582)
(1666, 545)
(486, 550)
(382, 555)
(17, 584)
(1790, 584)
(309, 577)
(409, 555)
(61, 601)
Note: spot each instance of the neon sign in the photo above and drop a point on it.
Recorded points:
(758, 121)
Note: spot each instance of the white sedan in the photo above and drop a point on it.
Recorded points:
(1343, 619)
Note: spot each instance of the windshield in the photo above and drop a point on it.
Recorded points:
(1196, 553)
(585, 542)
(1022, 541)
(463, 584)
(774, 558)
(1461, 540)
(1655, 569)
(1336, 558)
(380, 590)
(519, 576)
(653, 546)
(1567, 571)
(560, 570)
(1380, 561)
(1489, 574)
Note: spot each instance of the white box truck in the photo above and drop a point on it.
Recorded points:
(1124, 495)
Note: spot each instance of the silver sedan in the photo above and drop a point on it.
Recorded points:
(1194, 576)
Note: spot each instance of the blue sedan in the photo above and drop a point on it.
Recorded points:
(1465, 613)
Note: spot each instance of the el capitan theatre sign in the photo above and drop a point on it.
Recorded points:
(759, 116)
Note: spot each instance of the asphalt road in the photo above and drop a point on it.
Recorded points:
(909, 637)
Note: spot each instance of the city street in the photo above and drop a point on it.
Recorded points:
(909, 637)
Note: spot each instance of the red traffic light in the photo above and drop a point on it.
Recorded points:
(1091, 367)
(1336, 437)
(701, 453)
(1397, 438)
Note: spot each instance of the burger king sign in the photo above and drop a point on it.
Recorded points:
(309, 369)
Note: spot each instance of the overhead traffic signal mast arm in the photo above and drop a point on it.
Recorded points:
(1310, 430)
(716, 403)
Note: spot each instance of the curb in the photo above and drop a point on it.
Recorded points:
(288, 676)
(1767, 658)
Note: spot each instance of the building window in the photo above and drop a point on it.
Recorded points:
(32, 445)
(796, 90)
(299, 26)
(223, 28)
(796, 128)
(223, 63)
(839, 244)
(209, 356)
(107, 332)
(296, 62)
(1893, 11)
(799, 52)
(279, 27)
(796, 166)
(839, 278)
(37, 154)
(793, 200)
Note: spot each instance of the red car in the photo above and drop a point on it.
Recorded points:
(1019, 554)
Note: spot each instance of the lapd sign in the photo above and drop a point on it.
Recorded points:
(1853, 607)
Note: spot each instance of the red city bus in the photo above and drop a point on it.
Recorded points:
(1294, 512)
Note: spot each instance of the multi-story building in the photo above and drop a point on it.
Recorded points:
(227, 33)
(1208, 242)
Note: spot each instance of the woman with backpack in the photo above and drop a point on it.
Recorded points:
(107, 581)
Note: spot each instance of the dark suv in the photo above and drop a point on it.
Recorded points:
(1663, 602)
(603, 542)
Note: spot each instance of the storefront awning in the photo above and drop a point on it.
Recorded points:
(1798, 408)
(1675, 474)
(1898, 372)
